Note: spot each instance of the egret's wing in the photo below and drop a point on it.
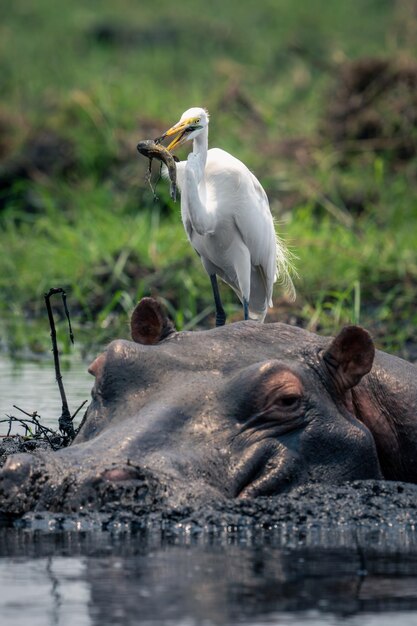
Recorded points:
(236, 194)
(267, 249)
(254, 222)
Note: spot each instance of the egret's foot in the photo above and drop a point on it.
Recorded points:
(220, 318)
(220, 314)
(245, 309)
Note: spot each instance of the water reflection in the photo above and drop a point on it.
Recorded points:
(110, 579)
(31, 385)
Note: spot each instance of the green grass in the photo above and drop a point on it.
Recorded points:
(265, 72)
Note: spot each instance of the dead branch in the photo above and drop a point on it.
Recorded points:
(65, 421)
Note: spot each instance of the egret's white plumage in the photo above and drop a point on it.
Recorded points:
(227, 219)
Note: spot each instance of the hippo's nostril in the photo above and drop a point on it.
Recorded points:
(18, 466)
(117, 474)
(97, 365)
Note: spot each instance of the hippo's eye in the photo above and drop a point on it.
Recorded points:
(288, 402)
(282, 394)
(283, 403)
(269, 393)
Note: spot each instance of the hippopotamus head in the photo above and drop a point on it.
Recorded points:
(240, 411)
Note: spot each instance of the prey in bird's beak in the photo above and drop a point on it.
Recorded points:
(183, 130)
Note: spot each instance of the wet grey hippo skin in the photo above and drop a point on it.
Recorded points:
(240, 411)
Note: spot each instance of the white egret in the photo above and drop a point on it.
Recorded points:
(226, 215)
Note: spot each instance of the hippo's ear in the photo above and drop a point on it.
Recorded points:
(149, 323)
(350, 356)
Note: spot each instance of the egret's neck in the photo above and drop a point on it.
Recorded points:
(193, 197)
(200, 146)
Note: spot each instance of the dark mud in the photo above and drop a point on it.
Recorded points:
(17, 444)
(348, 508)
(146, 502)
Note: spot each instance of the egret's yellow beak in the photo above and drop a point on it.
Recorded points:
(181, 129)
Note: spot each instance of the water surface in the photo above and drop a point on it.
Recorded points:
(106, 579)
(31, 385)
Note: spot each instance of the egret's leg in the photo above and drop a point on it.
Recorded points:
(242, 265)
(245, 309)
(220, 314)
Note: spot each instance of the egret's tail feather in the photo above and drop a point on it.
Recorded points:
(285, 269)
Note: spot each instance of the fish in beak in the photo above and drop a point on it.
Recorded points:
(182, 130)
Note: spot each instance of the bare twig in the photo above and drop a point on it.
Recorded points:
(79, 409)
(34, 414)
(33, 428)
(32, 425)
(40, 432)
(35, 420)
(65, 421)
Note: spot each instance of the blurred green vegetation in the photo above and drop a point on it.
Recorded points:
(82, 82)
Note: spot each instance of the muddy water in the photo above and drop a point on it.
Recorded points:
(122, 577)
